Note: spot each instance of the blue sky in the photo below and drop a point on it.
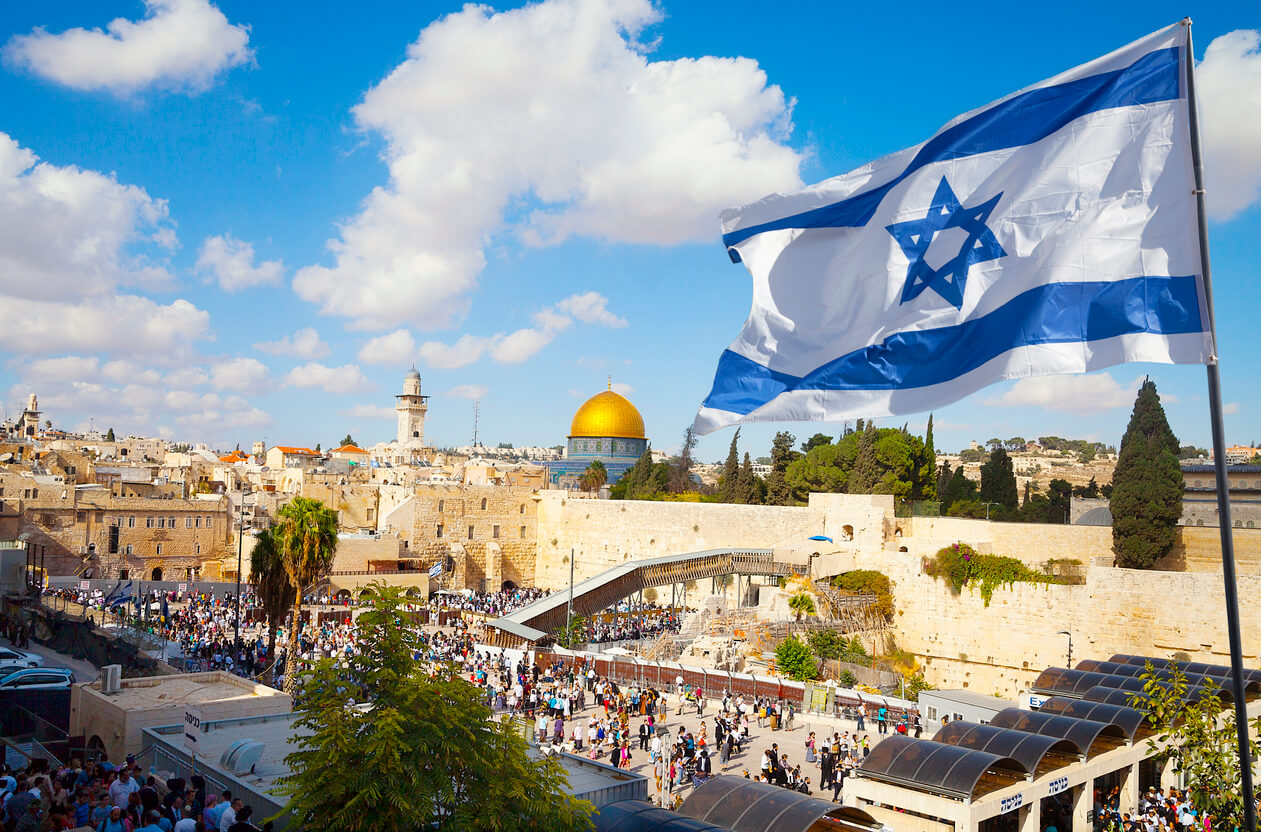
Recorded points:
(247, 220)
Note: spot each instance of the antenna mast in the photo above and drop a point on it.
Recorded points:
(477, 410)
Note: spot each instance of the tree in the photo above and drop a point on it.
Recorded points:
(1147, 485)
(815, 441)
(307, 539)
(926, 479)
(728, 484)
(317, 447)
(795, 660)
(272, 586)
(428, 754)
(1087, 492)
(801, 604)
(959, 489)
(750, 488)
(681, 475)
(943, 480)
(1199, 739)
(866, 474)
(998, 481)
(1016, 443)
(349, 440)
(594, 477)
(778, 492)
(109, 435)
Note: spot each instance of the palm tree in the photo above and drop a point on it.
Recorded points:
(271, 585)
(594, 477)
(307, 538)
(802, 604)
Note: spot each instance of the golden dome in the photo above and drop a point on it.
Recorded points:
(610, 415)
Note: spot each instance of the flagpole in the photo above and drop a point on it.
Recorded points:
(1219, 464)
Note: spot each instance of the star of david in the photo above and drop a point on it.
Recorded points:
(915, 236)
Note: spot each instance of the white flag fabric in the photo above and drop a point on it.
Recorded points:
(1053, 231)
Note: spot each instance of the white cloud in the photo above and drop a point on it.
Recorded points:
(305, 343)
(178, 44)
(186, 377)
(396, 348)
(345, 379)
(56, 370)
(230, 263)
(369, 411)
(622, 388)
(121, 324)
(468, 391)
(239, 374)
(513, 347)
(591, 308)
(556, 105)
(1229, 408)
(1072, 393)
(1228, 85)
(67, 232)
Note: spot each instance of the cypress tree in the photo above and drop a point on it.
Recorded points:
(998, 481)
(866, 474)
(959, 488)
(943, 480)
(926, 482)
(1146, 499)
(746, 485)
(778, 492)
(727, 486)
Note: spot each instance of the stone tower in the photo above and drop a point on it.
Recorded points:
(411, 407)
(30, 417)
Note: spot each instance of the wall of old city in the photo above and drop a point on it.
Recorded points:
(604, 533)
(490, 532)
(356, 504)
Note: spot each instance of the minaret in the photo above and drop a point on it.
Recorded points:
(411, 407)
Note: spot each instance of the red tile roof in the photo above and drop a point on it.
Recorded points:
(289, 449)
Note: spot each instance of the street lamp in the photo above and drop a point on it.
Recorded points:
(1070, 645)
(987, 509)
(240, 541)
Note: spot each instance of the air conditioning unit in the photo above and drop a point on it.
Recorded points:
(241, 756)
(111, 678)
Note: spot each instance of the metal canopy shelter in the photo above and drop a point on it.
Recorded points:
(640, 816)
(1120, 696)
(1186, 667)
(1251, 686)
(1089, 736)
(939, 768)
(750, 806)
(1038, 753)
(1131, 721)
(535, 621)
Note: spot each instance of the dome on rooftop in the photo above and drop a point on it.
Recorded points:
(610, 415)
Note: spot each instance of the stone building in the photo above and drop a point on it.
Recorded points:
(484, 536)
(608, 429)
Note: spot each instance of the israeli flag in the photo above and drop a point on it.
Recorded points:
(1053, 231)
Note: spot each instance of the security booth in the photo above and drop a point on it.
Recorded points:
(1026, 769)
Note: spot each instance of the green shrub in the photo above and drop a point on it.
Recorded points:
(864, 581)
(796, 661)
(848, 679)
(961, 566)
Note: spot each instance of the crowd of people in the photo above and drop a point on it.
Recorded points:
(110, 798)
(1157, 811)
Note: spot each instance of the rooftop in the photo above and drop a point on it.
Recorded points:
(969, 697)
(290, 449)
(184, 689)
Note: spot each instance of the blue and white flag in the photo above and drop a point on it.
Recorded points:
(1053, 231)
(435, 570)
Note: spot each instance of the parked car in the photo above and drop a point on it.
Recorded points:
(10, 656)
(38, 678)
(9, 668)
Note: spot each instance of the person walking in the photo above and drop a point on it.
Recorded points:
(724, 750)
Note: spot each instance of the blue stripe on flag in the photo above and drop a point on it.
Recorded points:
(1056, 313)
(1023, 119)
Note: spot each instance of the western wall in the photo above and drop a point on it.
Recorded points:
(958, 640)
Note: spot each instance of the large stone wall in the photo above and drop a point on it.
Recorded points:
(604, 533)
(501, 545)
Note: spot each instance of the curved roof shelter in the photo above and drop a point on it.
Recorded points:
(1119, 696)
(1062, 680)
(641, 816)
(939, 768)
(1038, 753)
(750, 806)
(1251, 686)
(1089, 736)
(1187, 667)
(1133, 722)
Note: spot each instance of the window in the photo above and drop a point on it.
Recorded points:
(371, 512)
(197, 522)
(131, 522)
(34, 493)
(956, 717)
(148, 522)
(523, 532)
(439, 530)
(130, 552)
(470, 532)
(1198, 483)
(197, 549)
(440, 503)
(100, 517)
(522, 508)
(26, 493)
(159, 550)
(80, 516)
(188, 522)
(170, 523)
(208, 522)
(932, 712)
(494, 532)
(161, 522)
(1251, 525)
(483, 504)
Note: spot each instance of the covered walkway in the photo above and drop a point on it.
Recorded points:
(537, 621)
